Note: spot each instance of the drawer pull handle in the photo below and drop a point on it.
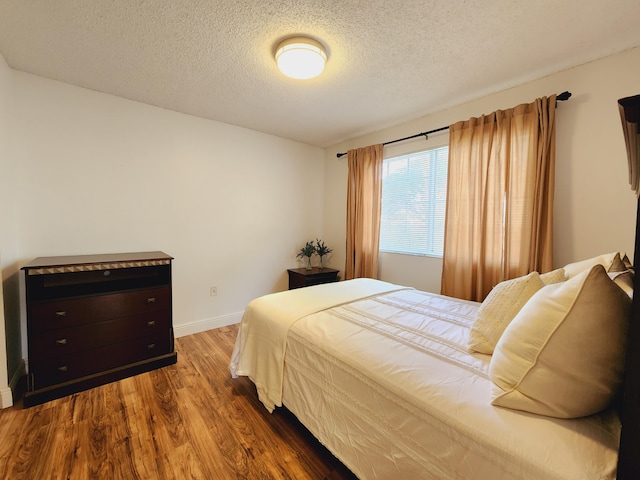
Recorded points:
(61, 341)
(151, 300)
(151, 346)
(151, 323)
(61, 313)
(63, 368)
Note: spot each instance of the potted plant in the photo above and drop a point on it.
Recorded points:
(321, 251)
(307, 252)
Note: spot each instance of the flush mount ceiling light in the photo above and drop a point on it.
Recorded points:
(301, 57)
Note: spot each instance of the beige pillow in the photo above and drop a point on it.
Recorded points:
(617, 265)
(563, 354)
(502, 304)
(555, 276)
(624, 280)
(608, 259)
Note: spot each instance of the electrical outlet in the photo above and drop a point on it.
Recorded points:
(213, 291)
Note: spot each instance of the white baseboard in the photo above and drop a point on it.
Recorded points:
(203, 325)
(6, 393)
(6, 397)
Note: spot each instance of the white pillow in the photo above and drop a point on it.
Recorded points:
(502, 304)
(607, 260)
(563, 354)
(555, 276)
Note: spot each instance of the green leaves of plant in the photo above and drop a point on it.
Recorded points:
(321, 248)
(307, 251)
(318, 248)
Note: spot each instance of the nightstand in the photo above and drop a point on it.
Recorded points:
(301, 277)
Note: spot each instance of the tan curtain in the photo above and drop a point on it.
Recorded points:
(364, 192)
(499, 198)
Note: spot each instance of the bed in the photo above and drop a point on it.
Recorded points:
(539, 381)
(394, 381)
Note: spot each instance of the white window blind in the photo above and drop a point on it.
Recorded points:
(414, 192)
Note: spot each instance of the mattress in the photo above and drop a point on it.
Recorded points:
(386, 383)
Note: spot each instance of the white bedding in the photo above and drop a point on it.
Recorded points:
(386, 384)
(260, 347)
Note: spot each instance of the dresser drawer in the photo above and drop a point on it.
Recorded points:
(52, 315)
(62, 341)
(64, 368)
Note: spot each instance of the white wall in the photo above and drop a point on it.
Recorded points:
(594, 208)
(100, 174)
(8, 314)
(83, 172)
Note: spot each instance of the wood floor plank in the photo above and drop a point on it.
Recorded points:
(190, 420)
(184, 463)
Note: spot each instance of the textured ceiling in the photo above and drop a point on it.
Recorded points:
(389, 60)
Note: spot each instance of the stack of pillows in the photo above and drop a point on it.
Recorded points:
(557, 339)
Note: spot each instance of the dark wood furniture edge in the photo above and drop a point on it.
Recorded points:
(90, 381)
(314, 270)
(59, 261)
(629, 451)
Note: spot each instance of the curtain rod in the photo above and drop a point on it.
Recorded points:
(560, 97)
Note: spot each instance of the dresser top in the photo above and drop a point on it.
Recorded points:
(96, 262)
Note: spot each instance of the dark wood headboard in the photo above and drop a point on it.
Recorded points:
(629, 455)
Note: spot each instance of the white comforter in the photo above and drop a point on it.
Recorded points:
(260, 347)
(383, 379)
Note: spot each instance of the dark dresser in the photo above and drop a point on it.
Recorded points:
(94, 319)
(302, 277)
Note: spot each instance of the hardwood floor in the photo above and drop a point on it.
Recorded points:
(186, 421)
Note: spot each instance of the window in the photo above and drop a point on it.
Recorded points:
(414, 192)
